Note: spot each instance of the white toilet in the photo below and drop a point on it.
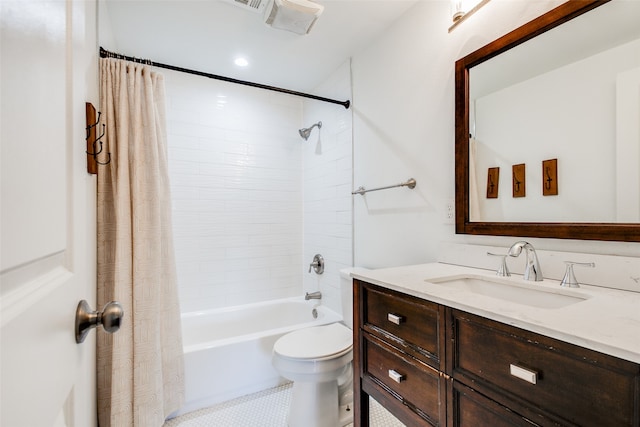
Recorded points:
(318, 361)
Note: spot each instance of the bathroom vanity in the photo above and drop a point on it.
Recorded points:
(435, 354)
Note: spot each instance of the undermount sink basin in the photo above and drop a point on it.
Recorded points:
(508, 290)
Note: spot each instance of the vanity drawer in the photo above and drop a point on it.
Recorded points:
(415, 384)
(409, 322)
(580, 386)
(470, 408)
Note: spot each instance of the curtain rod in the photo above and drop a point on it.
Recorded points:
(107, 54)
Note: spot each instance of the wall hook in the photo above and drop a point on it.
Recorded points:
(94, 142)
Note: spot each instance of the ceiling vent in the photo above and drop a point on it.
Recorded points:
(252, 5)
(297, 16)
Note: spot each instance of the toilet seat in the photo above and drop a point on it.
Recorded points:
(315, 343)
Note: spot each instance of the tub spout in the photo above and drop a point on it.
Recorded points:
(312, 295)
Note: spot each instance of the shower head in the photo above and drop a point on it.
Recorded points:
(304, 133)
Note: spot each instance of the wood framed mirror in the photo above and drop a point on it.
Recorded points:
(531, 221)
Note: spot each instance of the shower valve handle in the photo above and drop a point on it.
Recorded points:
(317, 264)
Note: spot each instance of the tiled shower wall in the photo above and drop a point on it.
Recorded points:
(236, 181)
(239, 210)
(327, 170)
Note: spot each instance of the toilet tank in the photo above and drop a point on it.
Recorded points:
(346, 294)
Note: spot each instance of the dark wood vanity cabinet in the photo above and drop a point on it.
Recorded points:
(431, 365)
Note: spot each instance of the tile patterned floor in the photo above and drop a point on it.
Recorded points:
(267, 408)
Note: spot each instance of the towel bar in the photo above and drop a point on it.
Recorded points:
(411, 183)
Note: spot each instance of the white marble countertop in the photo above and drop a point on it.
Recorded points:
(607, 320)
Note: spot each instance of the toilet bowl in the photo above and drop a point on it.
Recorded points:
(318, 361)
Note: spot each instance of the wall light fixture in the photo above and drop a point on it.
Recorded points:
(463, 9)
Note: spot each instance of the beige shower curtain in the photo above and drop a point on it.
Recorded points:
(140, 368)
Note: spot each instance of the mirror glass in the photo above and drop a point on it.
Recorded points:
(569, 95)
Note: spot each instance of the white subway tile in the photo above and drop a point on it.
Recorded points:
(241, 200)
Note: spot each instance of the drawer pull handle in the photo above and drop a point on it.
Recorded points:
(397, 377)
(523, 374)
(395, 318)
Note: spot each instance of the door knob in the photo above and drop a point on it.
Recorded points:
(110, 318)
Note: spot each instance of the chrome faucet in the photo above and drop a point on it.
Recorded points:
(312, 295)
(532, 271)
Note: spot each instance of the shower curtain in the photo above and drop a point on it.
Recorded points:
(140, 368)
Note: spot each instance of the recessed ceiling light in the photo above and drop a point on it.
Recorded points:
(241, 62)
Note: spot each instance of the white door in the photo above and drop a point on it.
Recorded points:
(47, 258)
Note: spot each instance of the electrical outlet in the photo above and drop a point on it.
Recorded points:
(449, 212)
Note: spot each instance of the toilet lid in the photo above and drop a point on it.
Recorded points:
(315, 342)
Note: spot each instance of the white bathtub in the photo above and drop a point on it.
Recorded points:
(227, 352)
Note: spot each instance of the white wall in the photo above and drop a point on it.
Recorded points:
(403, 128)
(327, 170)
(403, 87)
(236, 181)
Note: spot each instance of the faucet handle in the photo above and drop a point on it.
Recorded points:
(317, 265)
(569, 280)
(503, 270)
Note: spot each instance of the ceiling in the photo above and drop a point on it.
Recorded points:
(207, 35)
